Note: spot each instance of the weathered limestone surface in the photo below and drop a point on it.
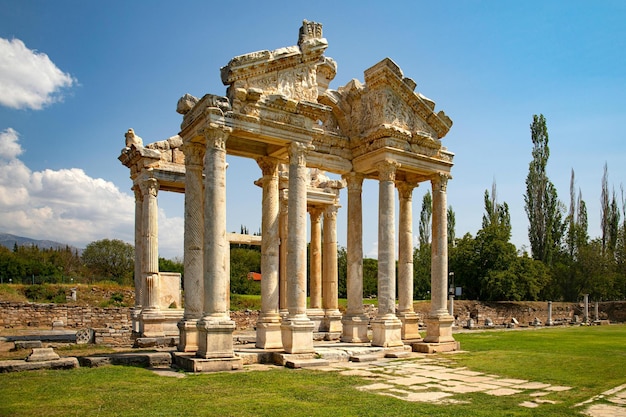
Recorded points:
(279, 109)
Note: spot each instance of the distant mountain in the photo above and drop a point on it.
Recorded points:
(9, 241)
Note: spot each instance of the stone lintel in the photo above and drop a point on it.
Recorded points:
(410, 162)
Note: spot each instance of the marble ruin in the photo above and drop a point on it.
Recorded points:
(279, 110)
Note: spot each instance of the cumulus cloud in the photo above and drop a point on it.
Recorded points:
(29, 79)
(69, 206)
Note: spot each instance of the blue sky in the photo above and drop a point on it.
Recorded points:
(75, 75)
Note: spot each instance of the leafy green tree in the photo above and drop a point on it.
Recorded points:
(171, 265)
(110, 259)
(543, 208)
(370, 277)
(242, 262)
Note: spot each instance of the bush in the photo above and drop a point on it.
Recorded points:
(44, 293)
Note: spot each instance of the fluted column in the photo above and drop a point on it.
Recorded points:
(315, 258)
(138, 275)
(297, 329)
(355, 321)
(193, 246)
(150, 246)
(282, 232)
(268, 333)
(439, 321)
(406, 313)
(386, 328)
(330, 287)
(215, 327)
(151, 316)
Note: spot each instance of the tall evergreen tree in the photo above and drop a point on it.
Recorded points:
(544, 210)
(609, 215)
(425, 224)
(451, 226)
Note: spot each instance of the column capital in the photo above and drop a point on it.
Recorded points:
(194, 154)
(216, 137)
(440, 182)
(298, 152)
(268, 165)
(405, 189)
(354, 181)
(331, 211)
(149, 186)
(387, 170)
(315, 212)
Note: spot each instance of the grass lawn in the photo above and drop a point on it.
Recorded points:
(590, 359)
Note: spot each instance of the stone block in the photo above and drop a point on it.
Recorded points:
(306, 363)
(27, 344)
(42, 355)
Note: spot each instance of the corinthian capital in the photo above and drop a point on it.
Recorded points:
(387, 170)
(440, 182)
(405, 189)
(268, 165)
(354, 181)
(298, 152)
(216, 137)
(194, 154)
(149, 187)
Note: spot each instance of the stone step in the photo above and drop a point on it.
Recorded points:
(365, 358)
(399, 354)
(140, 359)
(19, 365)
(305, 363)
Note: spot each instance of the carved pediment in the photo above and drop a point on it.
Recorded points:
(298, 72)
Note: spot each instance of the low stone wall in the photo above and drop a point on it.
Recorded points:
(20, 315)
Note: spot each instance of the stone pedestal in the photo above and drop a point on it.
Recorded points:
(268, 333)
(135, 316)
(215, 338)
(331, 322)
(188, 331)
(387, 332)
(316, 315)
(152, 321)
(354, 329)
(297, 335)
(410, 326)
(439, 329)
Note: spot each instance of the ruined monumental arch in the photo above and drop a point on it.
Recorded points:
(279, 110)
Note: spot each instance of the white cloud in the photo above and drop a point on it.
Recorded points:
(9, 147)
(69, 206)
(29, 79)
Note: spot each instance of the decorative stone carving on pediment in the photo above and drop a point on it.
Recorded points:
(298, 73)
(191, 107)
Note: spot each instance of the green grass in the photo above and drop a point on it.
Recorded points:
(589, 359)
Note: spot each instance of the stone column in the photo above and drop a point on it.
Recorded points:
(138, 276)
(596, 311)
(586, 312)
(354, 321)
(151, 312)
(297, 329)
(315, 312)
(330, 288)
(439, 322)
(268, 334)
(283, 232)
(549, 322)
(406, 313)
(215, 328)
(386, 327)
(194, 246)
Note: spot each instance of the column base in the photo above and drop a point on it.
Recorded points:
(135, 317)
(188, 335)
(410, 326)
(316, 315)
(331, 322)
(152, 323)
(215, 337)
(355, 329)
(439, 328)
(268, 333)
(297, 335)
(387, 331)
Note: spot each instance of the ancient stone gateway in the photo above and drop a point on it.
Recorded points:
(279, 110)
